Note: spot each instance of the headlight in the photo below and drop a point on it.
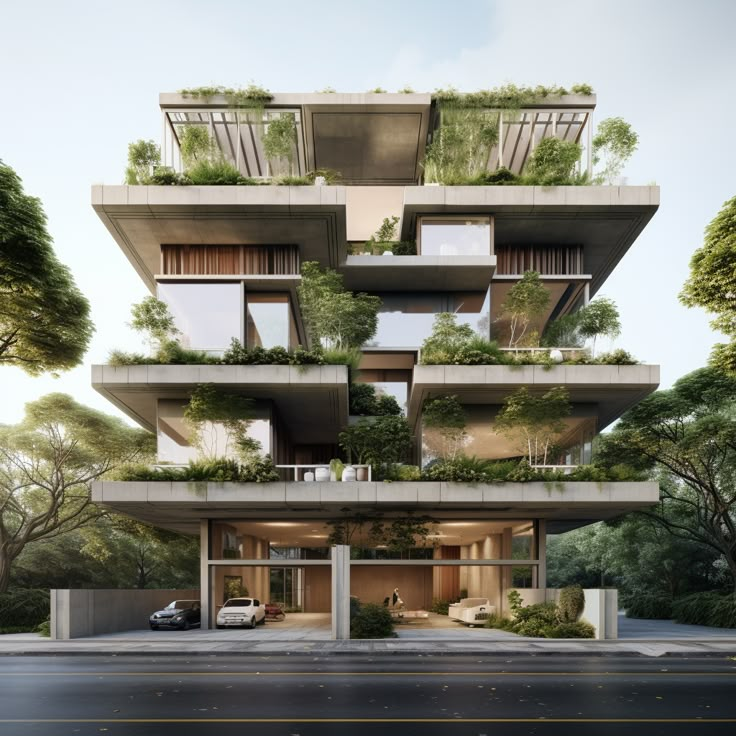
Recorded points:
(177, 618)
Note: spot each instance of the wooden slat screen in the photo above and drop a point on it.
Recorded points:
(200, 260)
(551, 260)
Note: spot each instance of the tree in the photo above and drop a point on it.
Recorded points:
(380, 442)
(279, 139)
(44, 318)
(143, 156)
(446, 339)
(47, 464)
(553, 162)
(335, 317)
(712, 282)
(152, 317)
(212, 413)
(686, 436)
(599, 318)
(616, 141)
(446, 416)
(534, 422)
(527, 300)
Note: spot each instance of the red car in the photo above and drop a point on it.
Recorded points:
(274, 612)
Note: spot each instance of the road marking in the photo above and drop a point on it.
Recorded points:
(259, 673)
(368, 720)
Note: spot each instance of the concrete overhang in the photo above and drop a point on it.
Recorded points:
(180, 506)
(605, 220)
(418, 273)
(312, 401)
(611, 389)
(143, 218)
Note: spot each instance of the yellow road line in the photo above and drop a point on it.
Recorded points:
(368, 720)
(259, 673)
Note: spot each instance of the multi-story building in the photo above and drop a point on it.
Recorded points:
(226, 260)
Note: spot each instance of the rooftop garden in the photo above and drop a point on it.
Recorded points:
(459, 153)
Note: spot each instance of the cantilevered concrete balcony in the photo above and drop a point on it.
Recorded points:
(604, 220)
(312, 400)
(607, 390)
(180, 506)
(143, 218)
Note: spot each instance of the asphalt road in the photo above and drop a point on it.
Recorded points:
(361, 695)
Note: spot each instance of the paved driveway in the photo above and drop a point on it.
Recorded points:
(644, 628)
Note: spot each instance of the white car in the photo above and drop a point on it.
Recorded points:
(247, 612)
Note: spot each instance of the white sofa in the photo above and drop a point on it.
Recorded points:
(471, 611)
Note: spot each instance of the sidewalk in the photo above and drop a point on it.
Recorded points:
(137, 643)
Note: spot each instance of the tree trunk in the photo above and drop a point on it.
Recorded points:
(5, 563)
(731, 562)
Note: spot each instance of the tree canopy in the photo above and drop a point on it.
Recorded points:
(47, 465)
(526, 300)
(44, 318)
(686, 435)
(712, 282)
(334, 316)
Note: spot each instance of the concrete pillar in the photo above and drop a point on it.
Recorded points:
(474, 582)
(541, 553)
(341, 591)
(464, 570)
(204, 572)
(506, 554)
(494, 586)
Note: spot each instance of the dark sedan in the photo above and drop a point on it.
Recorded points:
(177, 615)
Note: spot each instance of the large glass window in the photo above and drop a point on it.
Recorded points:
(406, 319)
(207, 315)
(455, 236)
(269, 321)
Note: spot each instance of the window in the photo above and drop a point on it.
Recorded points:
(207, 315)
(454, 236)
(269, 321)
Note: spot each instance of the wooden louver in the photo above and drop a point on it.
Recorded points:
(201, 260)
(551, 260)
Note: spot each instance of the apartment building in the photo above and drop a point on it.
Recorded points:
(227, 259)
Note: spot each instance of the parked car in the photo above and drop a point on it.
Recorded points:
(247, 612)
(177, 615)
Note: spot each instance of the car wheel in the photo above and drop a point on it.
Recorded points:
(262, 622)
(154, 628)
(185, 626)
(253, 622)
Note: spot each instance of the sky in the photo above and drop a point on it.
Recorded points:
(79, 80)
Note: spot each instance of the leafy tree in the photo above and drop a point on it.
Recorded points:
(553, 162)
(47, 464)
(334, 316)
(446, 416)
(279, 138)
(712, 282)
(380, 442)
(446, 339)
(195, 144)
(534, 422)
(152, 316)
(599, 318)
(210, 409)
(616, 141)
(143, 156)
(44, 318)
(687, 436)
(527, 300)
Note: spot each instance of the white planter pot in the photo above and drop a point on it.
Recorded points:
(322, 475)
(348, 474)
(309, 476)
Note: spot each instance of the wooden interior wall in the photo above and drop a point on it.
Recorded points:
(373, 584)
(317, 589)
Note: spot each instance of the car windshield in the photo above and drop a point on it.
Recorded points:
(237, 602)
(180, 604)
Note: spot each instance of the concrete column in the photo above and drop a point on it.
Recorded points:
(204, 572)
(494, 589)
(464, 570)
(542, 553)
(506, 554)
(341, 591)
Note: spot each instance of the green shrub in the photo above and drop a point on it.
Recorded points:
(535, 619)
(222, 470)
(25, 608)
(495, 621)
(404, 248)
(648, 605)
(501, 176)
(165, 176)
(711, 608)
(570, 604)
(574, 630)
(372, 622)
(460, 469)
(364, 402)
(44, 628)
(616, 357)
(440, 606)
(294, 181)
(218, 172)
